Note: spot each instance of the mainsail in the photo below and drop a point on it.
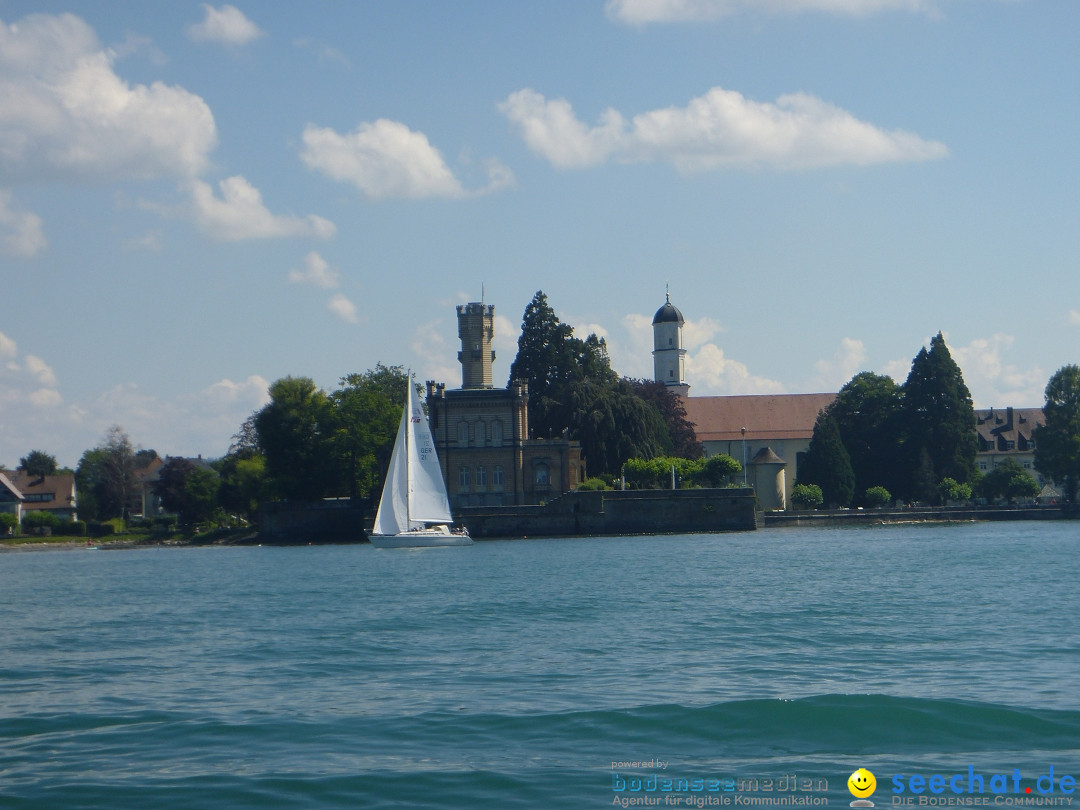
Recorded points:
(414, 493)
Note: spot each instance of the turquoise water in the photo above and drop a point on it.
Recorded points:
(528, 673)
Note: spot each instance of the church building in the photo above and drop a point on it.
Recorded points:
(766, 433)
(481, 433)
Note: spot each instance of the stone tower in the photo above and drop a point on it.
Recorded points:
(476, 327)
(669, 356)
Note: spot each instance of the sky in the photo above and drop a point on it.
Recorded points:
(198, 199)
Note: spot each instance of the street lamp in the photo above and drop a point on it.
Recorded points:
(744, 457)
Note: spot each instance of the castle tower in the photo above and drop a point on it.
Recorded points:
(669, 356)
(476, 328)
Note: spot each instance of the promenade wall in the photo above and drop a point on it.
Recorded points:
(610, 512)
(923, 514)
(301, 522)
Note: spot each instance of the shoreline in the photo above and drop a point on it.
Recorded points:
(884, 517)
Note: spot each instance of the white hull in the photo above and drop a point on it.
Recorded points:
(421, 538)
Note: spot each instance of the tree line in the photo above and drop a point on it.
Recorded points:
(307, 443)
(916, 442)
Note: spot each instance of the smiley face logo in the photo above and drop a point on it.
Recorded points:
(861, 783)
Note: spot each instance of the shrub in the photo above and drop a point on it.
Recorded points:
(807, 496)
(592, 484)
(39, 519)
(950, 490)
(8, 523)
(877, 497)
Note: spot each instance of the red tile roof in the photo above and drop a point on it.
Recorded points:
(765, 416)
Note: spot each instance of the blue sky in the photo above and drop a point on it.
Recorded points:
(197, 199)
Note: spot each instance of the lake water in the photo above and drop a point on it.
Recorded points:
(693, 671)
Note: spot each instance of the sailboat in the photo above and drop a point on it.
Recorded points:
(414, 509)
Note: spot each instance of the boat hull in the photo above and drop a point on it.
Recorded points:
(421, 538)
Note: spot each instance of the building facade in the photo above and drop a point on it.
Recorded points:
(1008, 433)
(768, 433)
(481, 433)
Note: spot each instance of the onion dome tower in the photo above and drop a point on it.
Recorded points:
(669, 356)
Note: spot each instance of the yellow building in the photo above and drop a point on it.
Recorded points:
(481, 433)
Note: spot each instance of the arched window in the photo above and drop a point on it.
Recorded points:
(541, 475)
(463, 478)
(463, 434)
(496, 434)
(481, 476)
(481, 433)
(497, 477)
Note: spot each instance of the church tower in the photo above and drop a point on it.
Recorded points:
(669, 356)
(476, 327)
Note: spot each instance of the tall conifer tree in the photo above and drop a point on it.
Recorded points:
(939, 417)
(827, 463)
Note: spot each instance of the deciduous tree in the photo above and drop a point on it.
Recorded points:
(38, 463)
(1057, 443)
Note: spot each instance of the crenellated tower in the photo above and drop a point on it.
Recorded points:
(476, 328)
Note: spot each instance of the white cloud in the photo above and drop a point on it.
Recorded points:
(1074, 317)
(40, 370)
(699, 331)
(240, 214)
(251, 393)
(846, 362)
(709, 371)
(387, 159)
(992, 380)
(28, 394)
(34, 416)
(20, 231)
(639, 12)
(721, 129)
(439, 359)
(8, 348)
(343, 308)
(315, 271)
(226, 25)
(551, 129)
(65, 113)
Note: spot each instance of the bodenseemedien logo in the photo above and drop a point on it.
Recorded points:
(862, 785)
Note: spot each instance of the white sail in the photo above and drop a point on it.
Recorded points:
(393, 514)
(427, 491)
(414, 494)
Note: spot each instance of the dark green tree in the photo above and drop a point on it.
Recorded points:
(294, 431)
(573, 388)
(243, 485)
(939, 417)
(366, 411)
(613, 424)
(38, 463)
(868, 414)
(89, 475)
(188, 490)
(684, 441)
(1008, 480)
(1057, 443)
(106, 477)
(827, 464)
